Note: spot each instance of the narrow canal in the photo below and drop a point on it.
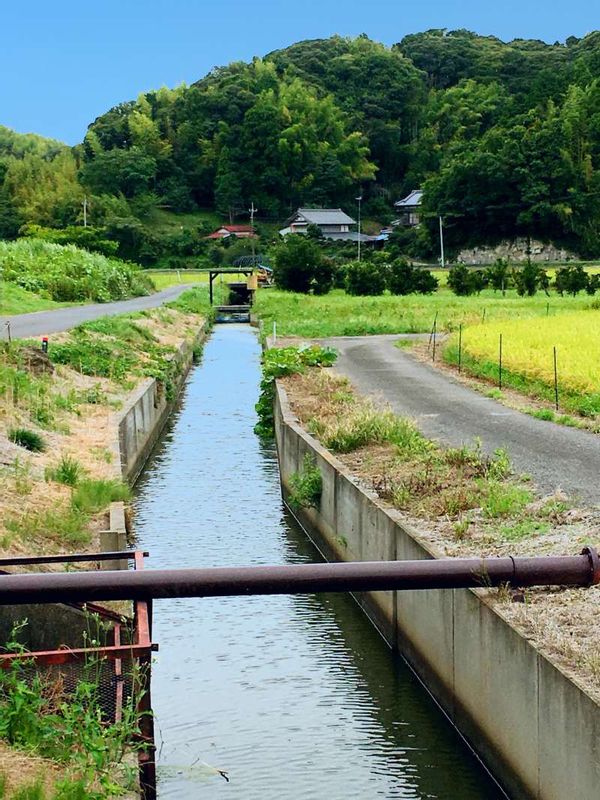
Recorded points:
(294, 697)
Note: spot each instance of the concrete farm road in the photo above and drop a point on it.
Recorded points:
(41, 323)
(444, 409)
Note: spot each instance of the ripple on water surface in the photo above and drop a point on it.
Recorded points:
(295, 697)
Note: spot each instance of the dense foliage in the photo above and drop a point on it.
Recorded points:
(66, 273)
(301, 267)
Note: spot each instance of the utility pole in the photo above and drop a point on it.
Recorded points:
(442, 242)
(85, 203)
(359, 198)
(252, 213)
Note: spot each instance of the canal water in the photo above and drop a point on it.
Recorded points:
(293, 697)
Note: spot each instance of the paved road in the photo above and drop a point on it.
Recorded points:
(555, 456)
(41, 323)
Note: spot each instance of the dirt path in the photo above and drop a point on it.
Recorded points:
(555, 456)
(41, 323)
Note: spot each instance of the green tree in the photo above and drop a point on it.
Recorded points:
(365, 278)
(300, 266)
(228, 187)
(530, 278)
(572, 280)
(460, 280)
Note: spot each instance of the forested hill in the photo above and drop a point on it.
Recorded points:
(504, 137)
(18, 145)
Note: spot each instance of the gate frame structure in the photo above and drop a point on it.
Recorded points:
(139, 650)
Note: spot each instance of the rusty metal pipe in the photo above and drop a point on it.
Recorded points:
(581, 570)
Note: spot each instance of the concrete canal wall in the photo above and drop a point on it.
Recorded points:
(534, 727)
(141, 421)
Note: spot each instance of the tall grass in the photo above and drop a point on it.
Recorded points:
(366, 425)
(67, 273)
(91, 495)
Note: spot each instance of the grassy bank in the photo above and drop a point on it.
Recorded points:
(338, 314)
(56, 432)
(15, 300)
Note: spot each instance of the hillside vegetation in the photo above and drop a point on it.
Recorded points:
(68, 274)
(504, 138)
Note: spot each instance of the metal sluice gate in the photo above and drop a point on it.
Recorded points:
(132, 638)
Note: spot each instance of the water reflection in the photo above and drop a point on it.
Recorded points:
(295, 697)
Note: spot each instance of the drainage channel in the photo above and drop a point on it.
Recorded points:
(291, 697)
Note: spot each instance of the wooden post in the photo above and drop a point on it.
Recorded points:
(211, 277)
(459, 347)
(500, 365)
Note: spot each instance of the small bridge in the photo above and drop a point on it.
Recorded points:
(241, 294)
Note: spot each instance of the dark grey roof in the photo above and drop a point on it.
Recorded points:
(412, 199)
(323, 216)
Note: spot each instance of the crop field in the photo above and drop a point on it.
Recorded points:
(527, 355)
(339, 314)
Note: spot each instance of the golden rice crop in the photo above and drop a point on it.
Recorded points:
(527, 347)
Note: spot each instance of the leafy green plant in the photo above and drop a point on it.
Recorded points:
(306, 486)
(92, 495)
(28, 439)
(69, 727)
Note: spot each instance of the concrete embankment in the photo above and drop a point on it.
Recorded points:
(533, 726)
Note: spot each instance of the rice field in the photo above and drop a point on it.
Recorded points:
(339, 314)
(528, 353)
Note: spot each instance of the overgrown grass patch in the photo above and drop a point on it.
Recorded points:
(523, 529)
(365, 425)
(68, 471)
(62, 525)
(91, 496)
(68, 274)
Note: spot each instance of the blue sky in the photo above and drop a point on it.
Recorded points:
(62, 63)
